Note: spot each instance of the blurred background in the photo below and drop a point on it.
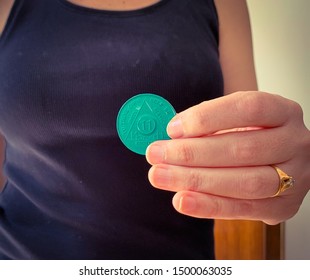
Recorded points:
(281, 38)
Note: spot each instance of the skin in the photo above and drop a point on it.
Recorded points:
(118, 5)
(219, 159)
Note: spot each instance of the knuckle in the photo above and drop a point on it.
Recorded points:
(216, 209)
(194, 181)
(252, 105)
(185, 154)
(243, 209)
(199, 117)
(243, 152)
(255, 185)
(296, 110)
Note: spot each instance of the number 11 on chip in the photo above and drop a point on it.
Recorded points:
(142, 120)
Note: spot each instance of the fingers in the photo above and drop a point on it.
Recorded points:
(241, 109)
(247, 148)
(208, 206)
(226, 193)
(241, 183)
(218, 161)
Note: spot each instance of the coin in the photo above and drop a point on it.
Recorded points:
(142, 120)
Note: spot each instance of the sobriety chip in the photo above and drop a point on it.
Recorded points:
(142, 120)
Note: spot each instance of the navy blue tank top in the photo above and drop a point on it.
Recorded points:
(73, 190)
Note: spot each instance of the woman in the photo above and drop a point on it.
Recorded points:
(74, 192)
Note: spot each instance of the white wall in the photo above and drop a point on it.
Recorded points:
(281, 37)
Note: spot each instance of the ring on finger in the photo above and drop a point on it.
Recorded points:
(286, 181)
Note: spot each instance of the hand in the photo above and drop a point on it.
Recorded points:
(219, 159)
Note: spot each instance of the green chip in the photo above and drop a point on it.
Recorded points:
(142, 120)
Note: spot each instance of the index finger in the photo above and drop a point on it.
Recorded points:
(237, 110)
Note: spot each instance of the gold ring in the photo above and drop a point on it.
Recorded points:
(286, 181)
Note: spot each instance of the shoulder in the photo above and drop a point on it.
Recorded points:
(5, 8)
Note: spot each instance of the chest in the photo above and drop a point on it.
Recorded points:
(65, 74)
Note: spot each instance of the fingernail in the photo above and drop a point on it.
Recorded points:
(186, 204)
(155, 154)
(175, 128)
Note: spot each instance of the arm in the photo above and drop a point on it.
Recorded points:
(236, 53)
(5, 8)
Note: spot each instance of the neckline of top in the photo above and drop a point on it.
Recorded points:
(125, 13)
